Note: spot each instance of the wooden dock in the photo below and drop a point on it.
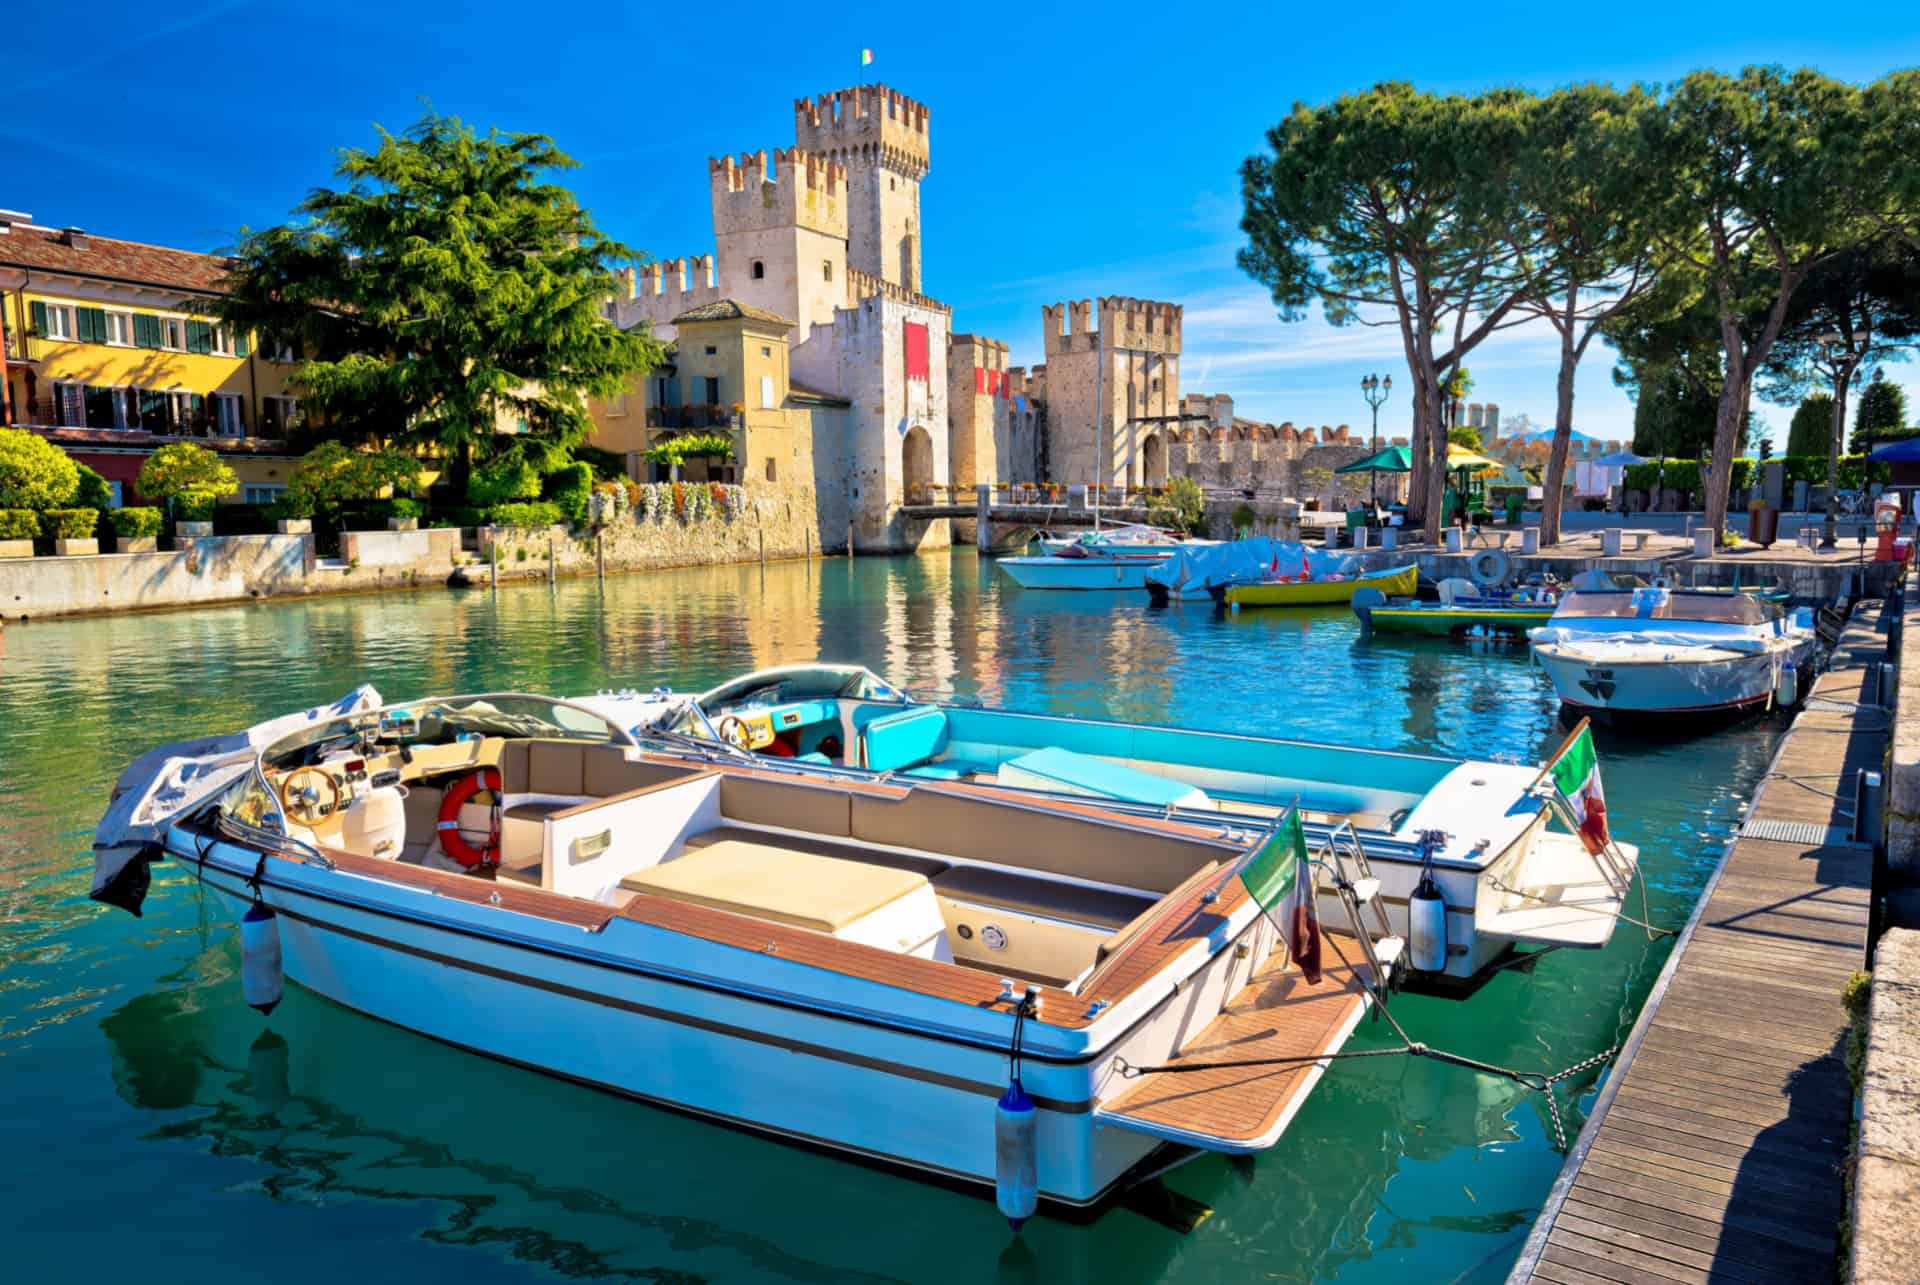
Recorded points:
(1715, 1148)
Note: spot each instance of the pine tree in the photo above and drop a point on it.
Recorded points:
(1812, 428)
(1882, 411)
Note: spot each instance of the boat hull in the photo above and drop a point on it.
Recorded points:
(1079, 573)
(1725, 685)
(1439, 621)
(708, 1030)
(1314, 593)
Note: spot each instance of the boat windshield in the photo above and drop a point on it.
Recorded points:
(798, 683)
(441, 721)
(1666, 604)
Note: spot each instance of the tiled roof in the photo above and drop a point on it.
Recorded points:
(730, 310)
(45, 249)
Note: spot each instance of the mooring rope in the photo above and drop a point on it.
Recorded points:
(1539, 1081)
(1654, 931)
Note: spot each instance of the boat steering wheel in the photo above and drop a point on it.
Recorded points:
(302, 800)
(733, 730)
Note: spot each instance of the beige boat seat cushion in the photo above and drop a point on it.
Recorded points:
(575, 769)
(792, 805)
(1097, 907)
(768, 881)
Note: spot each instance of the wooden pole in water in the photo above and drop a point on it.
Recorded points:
(763, 546)
(493, 560)
(551, 564)
(600, 554)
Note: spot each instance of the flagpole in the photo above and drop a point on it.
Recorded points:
(1547, 768)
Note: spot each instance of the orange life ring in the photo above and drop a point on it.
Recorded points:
(452, 841)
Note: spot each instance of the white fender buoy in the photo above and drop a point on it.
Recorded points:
(260, 976)
(1427, 927)
(1016, 1164)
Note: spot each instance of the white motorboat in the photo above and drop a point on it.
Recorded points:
(982, 986)
(1479, 835)
(1086, 567)
(1659, 650)
(1126, 535)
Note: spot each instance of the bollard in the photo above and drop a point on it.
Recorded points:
(1530, 540)
(1610, 542)
(1703, 543)
(1390, 537)
(1454, 540)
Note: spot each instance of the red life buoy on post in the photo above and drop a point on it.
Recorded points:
(452, 841)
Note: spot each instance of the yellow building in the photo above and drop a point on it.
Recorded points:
(110, 354)
(727, 373)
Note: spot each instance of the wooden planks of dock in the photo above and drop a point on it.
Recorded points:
(1716, 1147)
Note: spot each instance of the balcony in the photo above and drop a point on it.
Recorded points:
(710, 416)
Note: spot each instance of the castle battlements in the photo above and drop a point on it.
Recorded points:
(800, 188)
(1125, 322)
(869, 123)
(864, 285)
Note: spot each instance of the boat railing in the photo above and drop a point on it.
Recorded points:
(1344, 840)
(1354, 892)
(1611, 862)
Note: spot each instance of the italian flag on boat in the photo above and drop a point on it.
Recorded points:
(1576, 774)
(1279, 876)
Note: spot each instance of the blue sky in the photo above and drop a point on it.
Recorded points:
(1077, 151)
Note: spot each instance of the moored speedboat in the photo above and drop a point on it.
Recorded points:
(1657, 650)
(1085, 567)
(848, 963)
(1313, 589)
(1500, 613)
(1479, 830)
(1128, 535)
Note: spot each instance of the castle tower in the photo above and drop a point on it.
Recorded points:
(780, 233)
(1109, 385)
(880, 136)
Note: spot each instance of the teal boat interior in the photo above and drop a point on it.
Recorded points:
(847, 718)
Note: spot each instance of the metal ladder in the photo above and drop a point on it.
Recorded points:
(1612, 866)
(1357, 887)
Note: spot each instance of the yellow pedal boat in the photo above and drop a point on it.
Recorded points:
(1392, 581)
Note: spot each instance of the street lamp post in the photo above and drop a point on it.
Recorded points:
(1375, 389)
(1829, 342)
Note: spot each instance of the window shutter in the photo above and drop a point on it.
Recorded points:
(39, 318)
(239, 343)
(146, 330)
(199, 336)
(90, 325)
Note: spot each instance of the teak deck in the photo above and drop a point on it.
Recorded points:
(1277, 1014)
(1715, 1149)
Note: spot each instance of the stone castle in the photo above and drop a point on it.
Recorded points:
(806, 336)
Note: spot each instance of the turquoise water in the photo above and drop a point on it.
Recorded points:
(155, 1127)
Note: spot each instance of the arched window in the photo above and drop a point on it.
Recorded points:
(771, 470)
(759, 270)
(826, 269)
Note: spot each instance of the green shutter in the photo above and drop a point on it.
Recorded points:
(239, 343)
(146, 330)
(90, 325)
(39, 318)
(199, 336)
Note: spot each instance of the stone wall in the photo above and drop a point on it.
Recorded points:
(1886, 1177)
(776, 522)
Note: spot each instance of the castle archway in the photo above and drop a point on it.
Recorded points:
(1153, 461)
(916, 461)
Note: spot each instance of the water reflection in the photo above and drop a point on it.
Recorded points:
(331, 1145)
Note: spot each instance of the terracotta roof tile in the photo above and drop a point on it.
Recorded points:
(730, 310)
(151, 265)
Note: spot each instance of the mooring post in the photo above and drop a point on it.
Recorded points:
(600, 554)
(551, 561)
(763, 546)
(983, 515)
(493, 559)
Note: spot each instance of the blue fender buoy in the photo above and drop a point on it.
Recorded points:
(261, 980)
(1016, 1179)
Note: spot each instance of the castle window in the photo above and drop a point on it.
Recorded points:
(826, 269)
(766, 393)
(1154, 387)
(771, 470)
(759, 270)
(711, 350)
(889, 182)
(765, 351)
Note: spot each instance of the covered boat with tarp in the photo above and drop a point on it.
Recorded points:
(1317, 585)
(1196, 573)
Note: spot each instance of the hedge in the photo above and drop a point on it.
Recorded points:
(1684, 475)
(134, 524)
(19, 524)
(571, 487)
(537, 513)
(69, 524)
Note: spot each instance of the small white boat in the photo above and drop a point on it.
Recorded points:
(1127, 535)
(1660, 650)
(1085, 567)
(978, 986)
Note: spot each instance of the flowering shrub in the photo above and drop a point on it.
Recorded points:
(609, 504)
(736, 503)
(650, 502)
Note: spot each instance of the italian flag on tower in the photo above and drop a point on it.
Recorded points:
(1576, 774)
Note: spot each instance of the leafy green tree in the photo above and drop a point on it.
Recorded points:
(190, 479)
(1882, 412)
(1465, 435)
(333, 475)
(1595, 256)
(34, 473)
(449, 288)
(1393, 207)
(1756, 180)
(1812, 426)
(93, 491)
(1182, 506)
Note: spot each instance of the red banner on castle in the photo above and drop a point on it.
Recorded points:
(993, 383)
(979, 379)
(916, 340)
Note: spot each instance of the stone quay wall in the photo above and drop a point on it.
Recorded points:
(1886, 1177)
(772, 523)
